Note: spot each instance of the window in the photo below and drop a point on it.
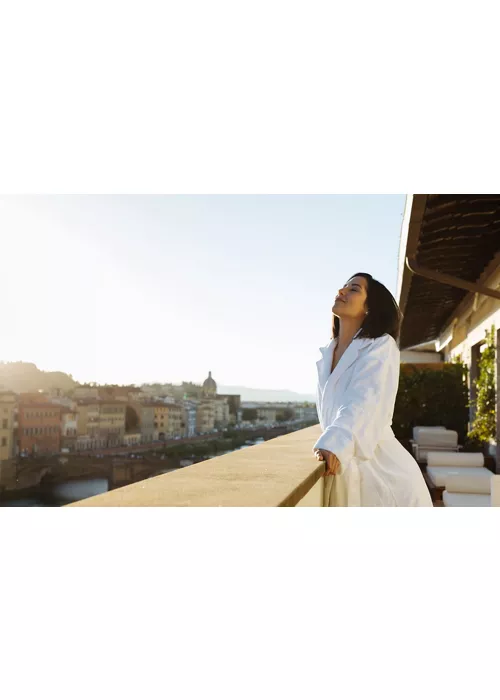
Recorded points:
(4, 442)
(5, 423)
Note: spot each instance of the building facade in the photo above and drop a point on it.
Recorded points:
(88, 419)
(100, 423)
(221, 413)
(69, 428)
(160, 423)
(39, 426)
(234, 403)
(190, 408)
(8, 415)
(147, 412)
(205, 416)
(130, 439)
(112, 422)
(176, 420)
(266, 414)
(86, 392)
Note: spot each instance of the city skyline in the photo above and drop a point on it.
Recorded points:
(135, 289)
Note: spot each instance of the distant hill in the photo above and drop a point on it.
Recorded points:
(25, 376)
(271, 395)
(246, 393)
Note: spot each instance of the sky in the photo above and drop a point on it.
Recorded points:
(163, 288)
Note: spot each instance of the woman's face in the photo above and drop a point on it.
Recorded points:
(351, 299)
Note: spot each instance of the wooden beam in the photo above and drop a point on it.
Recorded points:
(466, 302)
(410, 235)
(473, 287)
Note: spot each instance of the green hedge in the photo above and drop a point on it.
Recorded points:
(432, 397)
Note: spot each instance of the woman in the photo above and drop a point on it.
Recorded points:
(358, 378)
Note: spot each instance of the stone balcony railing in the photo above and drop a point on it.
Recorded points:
(279, 472)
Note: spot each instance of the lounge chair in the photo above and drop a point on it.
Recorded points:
(469, 491)
(443, 465)
(434, 439)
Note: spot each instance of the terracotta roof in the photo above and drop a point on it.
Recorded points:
(45, 406)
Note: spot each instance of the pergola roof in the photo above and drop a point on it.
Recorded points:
(457, 235)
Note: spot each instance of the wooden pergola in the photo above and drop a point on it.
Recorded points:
(449, 245)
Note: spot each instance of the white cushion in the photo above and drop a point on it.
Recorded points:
(455, 459)
(418, 428)
(478, 483)
(439, 438)
(438, 475)
(466, 499)
(424, 451)
(430, 427)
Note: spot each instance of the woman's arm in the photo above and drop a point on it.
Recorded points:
(368, 404)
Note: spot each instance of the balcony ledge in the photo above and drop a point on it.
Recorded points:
(279, 472)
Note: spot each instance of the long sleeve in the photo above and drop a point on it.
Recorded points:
(368, 404)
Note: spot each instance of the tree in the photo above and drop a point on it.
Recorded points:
(131, 420)
(249, 414)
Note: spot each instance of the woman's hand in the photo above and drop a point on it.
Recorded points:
(332, 461)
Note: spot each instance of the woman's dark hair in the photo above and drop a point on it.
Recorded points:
(383, 315)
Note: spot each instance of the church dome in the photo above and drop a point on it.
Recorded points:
(209, 385)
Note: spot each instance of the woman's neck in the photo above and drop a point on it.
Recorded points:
(348, 329)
